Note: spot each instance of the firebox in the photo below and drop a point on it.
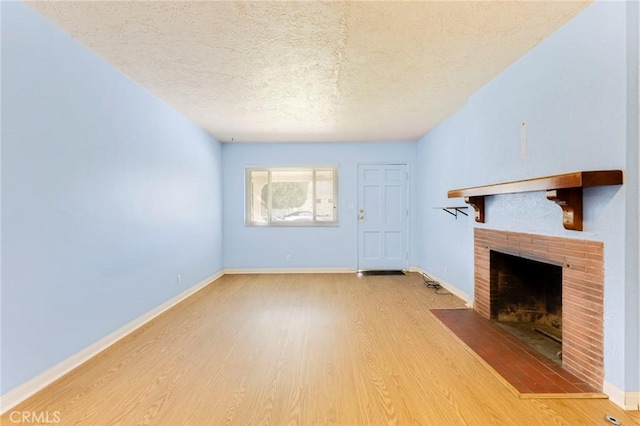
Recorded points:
(524, 290)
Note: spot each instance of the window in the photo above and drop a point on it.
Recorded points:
(293, 196)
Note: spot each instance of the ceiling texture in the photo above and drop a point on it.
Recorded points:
(311, 71)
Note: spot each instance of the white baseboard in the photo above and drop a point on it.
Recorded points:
(24, 391)
(629, 401)
(290, 271)
(448, 286)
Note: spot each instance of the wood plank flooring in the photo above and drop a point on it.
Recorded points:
(300, 349)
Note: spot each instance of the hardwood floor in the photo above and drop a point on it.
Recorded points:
(300, 349)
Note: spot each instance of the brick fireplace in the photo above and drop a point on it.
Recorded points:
(582, 265)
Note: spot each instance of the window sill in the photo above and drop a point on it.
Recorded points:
(293, 225)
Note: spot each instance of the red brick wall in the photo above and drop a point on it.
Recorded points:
(582, 291)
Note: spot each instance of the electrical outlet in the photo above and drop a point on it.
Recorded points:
(446, 269)
(288, 258)
(179, 280)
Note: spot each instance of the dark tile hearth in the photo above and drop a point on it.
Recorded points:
(528, 372)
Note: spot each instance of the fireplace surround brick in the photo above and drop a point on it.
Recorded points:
(582, 265)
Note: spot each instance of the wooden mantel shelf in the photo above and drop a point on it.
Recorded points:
(565, 190)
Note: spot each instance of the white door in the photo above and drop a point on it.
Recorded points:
(382, 217)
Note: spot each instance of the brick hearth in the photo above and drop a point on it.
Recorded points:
(582, 291)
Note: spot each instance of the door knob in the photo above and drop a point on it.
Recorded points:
(361, 217)
(361, 210)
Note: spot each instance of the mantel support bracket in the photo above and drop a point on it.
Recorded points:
(570, 201)
(478, 205)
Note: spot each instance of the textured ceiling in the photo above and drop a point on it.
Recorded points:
(311, 71)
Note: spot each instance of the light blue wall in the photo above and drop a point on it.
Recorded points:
(571, 91)
(107, 195)
(321, 247)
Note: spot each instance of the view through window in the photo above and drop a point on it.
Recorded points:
(300, 196)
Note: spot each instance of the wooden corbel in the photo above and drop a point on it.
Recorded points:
(478, 205)
(570, 201)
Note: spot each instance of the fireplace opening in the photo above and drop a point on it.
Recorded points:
(526, 300)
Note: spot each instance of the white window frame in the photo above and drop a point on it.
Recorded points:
(302, 223)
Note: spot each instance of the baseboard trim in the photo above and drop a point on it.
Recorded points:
(234, 271)
(448, 286)
(629, 401)
(24, 391)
